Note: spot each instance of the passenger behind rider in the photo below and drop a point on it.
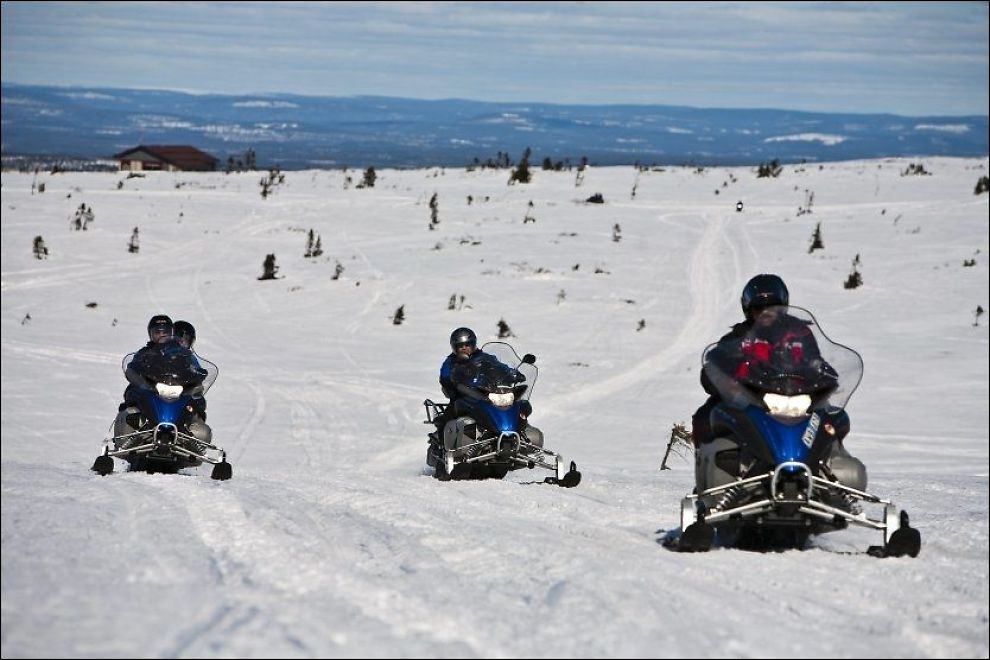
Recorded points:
(185, 335)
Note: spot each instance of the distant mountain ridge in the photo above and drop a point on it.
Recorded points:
(324, 132)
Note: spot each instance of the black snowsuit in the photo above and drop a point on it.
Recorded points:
(136, 369)
(743, 347)
(701, 426)
(453, 373)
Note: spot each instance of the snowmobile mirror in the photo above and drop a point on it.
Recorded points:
(529, 358)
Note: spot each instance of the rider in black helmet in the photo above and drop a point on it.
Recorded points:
(463, 344)
(763, 291)
(768, 326)
(160, 329)
(185, 333)
(760, 292)
(463, 350)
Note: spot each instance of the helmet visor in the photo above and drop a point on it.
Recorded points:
(159, 331)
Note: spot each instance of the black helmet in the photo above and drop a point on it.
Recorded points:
(463, 336)
(159, 322)
(764, 291)
(185, 330)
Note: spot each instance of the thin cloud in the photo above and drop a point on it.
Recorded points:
(540, 52)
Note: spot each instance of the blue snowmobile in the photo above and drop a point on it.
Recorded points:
(162, 435)
(776, 471)
(489, 434)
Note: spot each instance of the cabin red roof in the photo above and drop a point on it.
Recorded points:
(181, 156)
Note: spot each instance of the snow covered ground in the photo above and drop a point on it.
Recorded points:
(332, 539)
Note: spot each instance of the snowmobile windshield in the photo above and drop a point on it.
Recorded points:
(783, 353)
(498, 369)
(172, 364)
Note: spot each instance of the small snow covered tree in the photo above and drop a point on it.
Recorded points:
(369, 178)
(529, 217)
(504, 330)
(769, 170)
(434, 212)
(982, 186)
(854, 280)
(314, 246)
(40, 250)
(309, 245)
(579, 177)
(133, 246)
(916, 169)
(816, 239)
(275, 178)
(84, 215)
(269, 268)
(522, 174)
(809, 200)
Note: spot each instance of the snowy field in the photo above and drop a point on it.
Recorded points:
(333, 540)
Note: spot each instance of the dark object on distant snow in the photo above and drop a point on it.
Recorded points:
(170, 158)
(855, 279)
(40, 249)
(595, 199)
(91, 305)
(816, 239)
(269, 267)
(739, 207)
(916, 169)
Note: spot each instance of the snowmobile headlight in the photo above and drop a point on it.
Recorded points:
(501, 400)
(787, 406)
(168, 392)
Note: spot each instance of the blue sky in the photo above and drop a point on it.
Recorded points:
(907, 58)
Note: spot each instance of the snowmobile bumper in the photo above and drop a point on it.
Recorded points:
(163, 447)
(791, 496)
